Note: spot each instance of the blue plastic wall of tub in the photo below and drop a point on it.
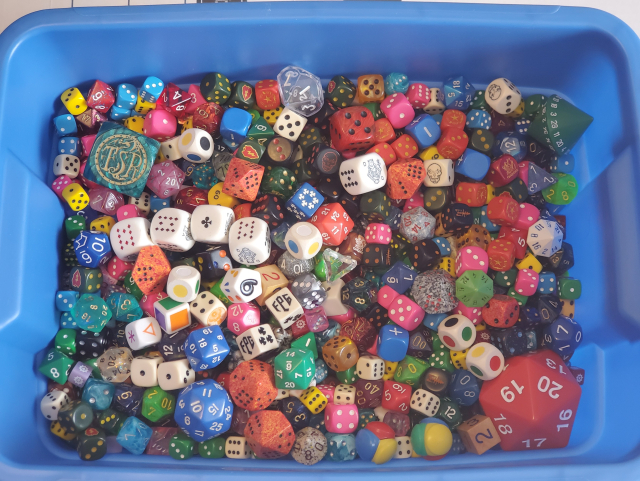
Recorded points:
(587, 56)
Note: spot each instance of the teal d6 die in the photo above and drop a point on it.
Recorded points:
(569, 288)
(56, 366)
(181, 446)
(134, 435)
(98, 394)
(474, 288)
(294, 369)
(125, 307)
(340, 447)
(396, 83)
(91, 313)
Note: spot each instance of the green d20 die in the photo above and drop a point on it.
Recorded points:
(73, 225)
(181, 446)
(441, 357)
(410, 370)
(121, 159)
(56, 366)
(260, 131)
(251, 151)
(449, 412)
(474, 288)
(65, 341)
(280, 182)
(91, 313)
(349, 376)
(242, 95)
(341, 92)
(212, 449)
(294, 368)
(307, 342)
(157, 404)
(132, 288)
(506, 278)
(569, 288)
(215, 87)
(563, 191)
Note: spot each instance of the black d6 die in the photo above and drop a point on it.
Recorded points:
(457, 218)
(308, 290)
(214, 263)
(424, 255)
(511, 341)
(270, 209)
(90, 345)
(324, 160)
(281, 152)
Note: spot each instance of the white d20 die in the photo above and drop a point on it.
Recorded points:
(303, 240)
(129, 236)
(363, 174)
(143, 333)
(241, 285)
(285, 307)
(183, 283)
(175, 375)
(544, 238)
(210, 224)
(289, 124)
(256, 341)
(170, 230)
(144, 370)
(250, 241)
(440, 172)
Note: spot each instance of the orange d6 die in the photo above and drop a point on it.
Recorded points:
(370, 88)
(151, 270)
(269, 434)
(405, 177)
(503, 210)
(383, 130)
(267, 95)
(473, 194)
(385, 151)
(502, 254)
(405, 147)
(333, 223)
(340, 353)
(243, 179)
(453, 118)
(452, 143)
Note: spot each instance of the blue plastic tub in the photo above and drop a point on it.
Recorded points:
(587, 56)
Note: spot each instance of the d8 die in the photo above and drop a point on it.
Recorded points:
(249, 241)
(458, 93)
(424, 402)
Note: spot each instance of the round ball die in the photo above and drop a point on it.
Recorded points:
(376, 442)
(303, 241)
(195, 145)
(485, 361)
(457, 332)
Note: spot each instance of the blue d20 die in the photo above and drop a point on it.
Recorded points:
(393, 342)
(65, 125)
(98, 394)
(464, 387)
(478, 119)
(304, 202)
(396, 83)
(134, 435)
(126, 97)
(151, 89)
(206, 348)
(234, 125)
(424, 130)
(473, 164)
(92, 248)
(69, 145)
(400, 277)
(458, 93)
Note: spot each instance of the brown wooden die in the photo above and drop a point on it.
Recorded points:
(405, 177)
(340, 353)
(502, 254)
(370, 89)
(478, 434)
(243, 179)
(473, 194)
(476, 236)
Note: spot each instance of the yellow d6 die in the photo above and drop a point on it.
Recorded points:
(389, 370)
(447, 264)
(313, 398)
(430, 153)
(134, 123)
(530, 262)
(103, 224)
(491, 193)
(272, 115)
(568, 308)
(73, 101)
(61, 432)
(459, 358)
(76, 196)
(187, 125)
(142, 106)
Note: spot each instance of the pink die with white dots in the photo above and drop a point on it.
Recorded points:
(378, 234)
(147, 302)
(159, 125)
(416, 200)
(118, 269)
(471, 258)
(527, 216)
(406, 313)
(60, 183)
(87, 144)
(242, 316)
(419, 95)
(386, 296)
(327, 390)
(474, 314)
(127, 212)
(398, 110)
(527, 282)
(341, 419)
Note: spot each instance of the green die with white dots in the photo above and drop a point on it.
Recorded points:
(73, 225)
(65, 341)
(507, 278)
(212, 449)
(441, 357)
(569, 288)
(182, 447)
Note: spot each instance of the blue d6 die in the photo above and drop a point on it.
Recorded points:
(65, 125)
(393, 342)
(564, 164)
(120, 114)
(92, 248)
(125, 307)
(443, 246)
(424, 130)
(547, 283)
(458, 93)
(478, 119)
(126, 97)
(231, 144)
(67, 321)
(206, 348)
(65, 300)
(473, 164)
(204, 410)
(396, 83)
(134, 435)
(432, 321)
(562, 336)
(98, 394)
(151, 89)
(156, 203)
(464, 387)
(522, 126)
(400, 277)
(340, 447)
(69, 145)
(486, 222)
(235, 125)
(437, 118)
(304, 202)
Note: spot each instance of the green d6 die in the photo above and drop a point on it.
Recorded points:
(399, 247)
(481, 140)
(157, 404)
(309, 139)
(474, 288)
(91, 444)
(374, 108)
(441, 357)
(73, 225)
(69, 255)
(204, 176)
(533, 105)
(132, 288)
(506, 278)
(341, 92)
(479, 102)
(347, 377)
(85, 280)
(410, 370)
(294, 369)
(242, 95)
(522, 300)
(111, 421)
(65, 341)
(303, 172)
(436, 199)
(91, 313)
(216, 290)
(56, 366)
(563, 191)
(280, 182)
(307, 342)
(187, 261)
(569, 288)
(75, 416)
(260, 131)
(215, 87)
(449, 412)
(212, 449)
(181, 446)
(251, 151)
(375, 206)
(365, 416)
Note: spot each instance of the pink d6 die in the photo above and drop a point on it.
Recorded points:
(527, 216)
(147, 301)
(316, 319)
(105, 200)
(342, 418)
(242, 316)
(386, 296)
(471, 258)
(406, 313)
(118, 269)
(474, 314)
(89, 184)
(527, 282)
(416, 200)
(398, 110)
(87, 142)
(378, 234)
(159, 125)
(127, 212)
(60, 183)
(165, 179)
(418, 95)
(327, 390)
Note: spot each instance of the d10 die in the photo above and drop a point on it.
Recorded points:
(363, 174)
(170, 230)
(256, 341)
(285, 307)
(92, 248)
(210, 224)
(241, 285)
(207, 309)
(143, 333)
(250, 241)
(303, 240)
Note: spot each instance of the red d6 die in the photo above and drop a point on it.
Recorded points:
(333, 223)
(452, 143)
(118, 269)
(299, 328)
(378, 234)
(503, 210)
(518, 237)
(352, 129)
(501, 311)
(385, 151)
(473, 194)
(453, 118)
(396, 396)
(243, 179)
(101, 96)
(419, 95)
(383, 130)
(267, 95)
(533, 403)
(190, 198)
(527, 216)
(405, 147)
(405, 177)
(502, 254)
(527, 282)
(502, 171)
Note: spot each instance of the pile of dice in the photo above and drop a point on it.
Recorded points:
(281, 270)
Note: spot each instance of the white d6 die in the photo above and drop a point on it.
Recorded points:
(241, 285)
(169, 149)
(485, 361)
(195, 145)
(440, 172)
(129, 236)
(436, 103)
(210, 224)
(51, 404)
(344, 394)
(175, 375)
(256, 341)
(502, 96)
(370, 367)
(303, 240)
(183, 283)
(236, 447)
(207, 309)
(250, 241)
(363, 174)
(143, 333)
(170, 229)
(424, 402)
(289, 125)
(403, 447)
(144, 370)
(66, 164)
(457, 332)
(544, 238)
(143, 203)
(285, 307)
(333, 305)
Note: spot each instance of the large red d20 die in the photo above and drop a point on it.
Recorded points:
(533, 403)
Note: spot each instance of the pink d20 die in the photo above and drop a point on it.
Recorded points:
(165, 179)
(60, 183)
(316, 319)
(242, 316)
(378, 234)
(527, 282)
(406, 313)
(147, 301)
(105, 200)
(342, 418)
(398, 110)
(474, 314)
(159, 125)
(471, 258)
(386, 296)
(528, 215)
(418, 95)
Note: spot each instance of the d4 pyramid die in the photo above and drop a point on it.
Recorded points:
(243, 179)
